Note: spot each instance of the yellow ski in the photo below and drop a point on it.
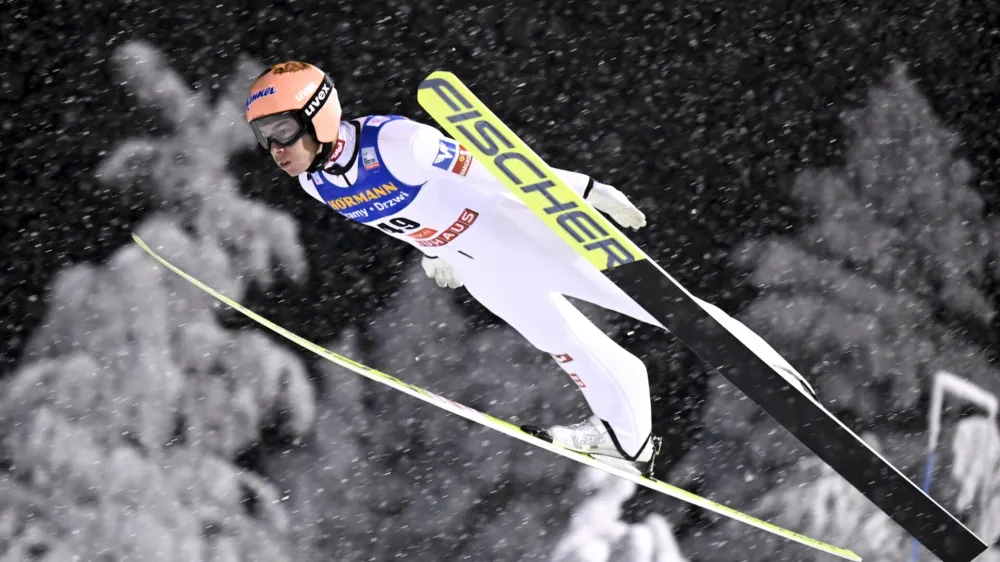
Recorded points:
(500, 425)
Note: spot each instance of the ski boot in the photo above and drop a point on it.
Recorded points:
(594, 437)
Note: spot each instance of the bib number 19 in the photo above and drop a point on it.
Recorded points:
(398, 225)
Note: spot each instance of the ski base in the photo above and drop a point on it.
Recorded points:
(801, 414)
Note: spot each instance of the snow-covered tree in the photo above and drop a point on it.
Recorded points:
(119, 431)
(883, 286)
(597, 533)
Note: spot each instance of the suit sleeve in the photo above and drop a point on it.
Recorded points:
(417, 153)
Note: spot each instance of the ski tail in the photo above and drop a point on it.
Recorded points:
(502, 426)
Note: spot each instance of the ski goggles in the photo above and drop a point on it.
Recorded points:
(282, 129)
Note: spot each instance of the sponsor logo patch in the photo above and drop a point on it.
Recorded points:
(462, 162)
(338, 149)
(268, 91)
(452, 232)
(369, 196)
(423, 233)
(447, 150)
(368, 158)
(303, 94)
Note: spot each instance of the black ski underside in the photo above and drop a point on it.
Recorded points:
(815, 427)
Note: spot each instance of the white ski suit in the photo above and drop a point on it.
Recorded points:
(416, 185)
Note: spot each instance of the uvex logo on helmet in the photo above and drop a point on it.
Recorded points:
(259, 94)
(317, 101)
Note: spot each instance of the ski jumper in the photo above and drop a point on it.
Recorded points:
(422, 188)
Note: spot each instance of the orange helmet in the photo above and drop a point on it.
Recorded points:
(290, 99)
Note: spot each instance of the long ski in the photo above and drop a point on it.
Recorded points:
(586, 230)
(500, 425)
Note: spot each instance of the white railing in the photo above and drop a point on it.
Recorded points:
(948, 383)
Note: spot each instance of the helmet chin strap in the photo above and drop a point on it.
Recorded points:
(322, 155)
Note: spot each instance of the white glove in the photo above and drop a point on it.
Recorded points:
(439, 270)
(609, 200)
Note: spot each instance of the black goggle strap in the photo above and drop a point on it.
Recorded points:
(323, 94)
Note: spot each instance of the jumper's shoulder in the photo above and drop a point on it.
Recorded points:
(408, 148)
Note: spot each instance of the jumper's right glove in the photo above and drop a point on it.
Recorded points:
(442, 273)
(609, 200)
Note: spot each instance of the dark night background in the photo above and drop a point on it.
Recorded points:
(702, 112)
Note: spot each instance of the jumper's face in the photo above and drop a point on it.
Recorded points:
(295, 158)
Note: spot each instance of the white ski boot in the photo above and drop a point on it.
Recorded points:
(594, 438)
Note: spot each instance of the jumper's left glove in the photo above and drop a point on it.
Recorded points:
(609, 200)
(442, 273)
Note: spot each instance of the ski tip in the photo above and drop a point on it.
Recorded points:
(139, 241)
(444, 74)
(438, 80)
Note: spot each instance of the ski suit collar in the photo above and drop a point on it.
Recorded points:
(342, 157)
(337, 156)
